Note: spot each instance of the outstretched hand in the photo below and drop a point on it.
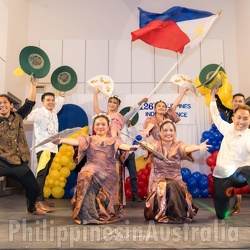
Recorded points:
(57, 141)
(204, 146)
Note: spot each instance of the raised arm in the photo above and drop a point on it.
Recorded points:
(32, 93)
(95, 101)
(179, 98)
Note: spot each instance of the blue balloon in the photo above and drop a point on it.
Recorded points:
(218, 136)
(223, 117)
(217, 147)
(135, 143)
(211, 136)
(186, 174)
(195, 192)
(213, 142)
(204, 176)
(202, 140)
(202, 183)
(205, 135)
(211, 149)
(204, 192)
(138, 137)
(191, 183)
(214, 127)
(196, 175)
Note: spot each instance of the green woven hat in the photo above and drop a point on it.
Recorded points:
(64, 78)
(34, 60)
(208, 75)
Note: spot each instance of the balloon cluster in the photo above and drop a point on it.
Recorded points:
(197, 183)
(142, 180)
(214, 138)
(60, 169)
(224, 92)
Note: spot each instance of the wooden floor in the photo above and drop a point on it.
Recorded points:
(57, 229)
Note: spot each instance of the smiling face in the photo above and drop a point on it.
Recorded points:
(5, 106)
(101, 126)
(49, 102)
(113, 104)
(241, 118)
(160, 108)
(168, 132)
(238, 100)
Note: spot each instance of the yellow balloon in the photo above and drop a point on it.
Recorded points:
(56, 183)
(65, 172)
(63, 149)
(46, 192)
(71, 166)
(50, 182)
(64, 160)
(141, 163)
(54, 174)
(62, 184)
(56, 159)
(62, 179)
(69, 153)
(57, 192)
(55, 166)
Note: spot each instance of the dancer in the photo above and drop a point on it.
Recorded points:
(238, 99)
(233, 161)
(169, 201)
(45, 125)
(117, 120)
(151, 124)
(14, 151)
(95, 200)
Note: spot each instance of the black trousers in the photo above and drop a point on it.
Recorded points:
(224, 198)
(25, 176)
(130, 164)
(41, 175)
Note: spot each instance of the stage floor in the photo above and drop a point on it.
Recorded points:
(58, 230)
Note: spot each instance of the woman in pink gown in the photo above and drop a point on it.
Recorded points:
(95, 200)
(169, 201)
(117, 119)
(151, 124)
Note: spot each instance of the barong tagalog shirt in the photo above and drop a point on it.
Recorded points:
(46, 125)
(235, 147)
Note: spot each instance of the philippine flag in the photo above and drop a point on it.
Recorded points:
(178, 29)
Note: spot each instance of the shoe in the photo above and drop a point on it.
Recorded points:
(137, 199)
(42, 205)
(38, 211)
(50, 204)
(236, 208)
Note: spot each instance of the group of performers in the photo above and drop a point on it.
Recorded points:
(97, 196)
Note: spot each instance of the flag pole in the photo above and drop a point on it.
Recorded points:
(161, 81)
(157, 86)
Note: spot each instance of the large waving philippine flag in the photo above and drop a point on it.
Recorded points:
(178, 29)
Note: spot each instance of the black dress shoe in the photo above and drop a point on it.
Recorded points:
(137, 199)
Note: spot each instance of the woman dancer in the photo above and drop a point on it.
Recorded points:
(117, 119)
(169, 200)
(95, 200)
(151, 124)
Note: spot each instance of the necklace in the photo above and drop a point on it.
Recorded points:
(168, 149)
